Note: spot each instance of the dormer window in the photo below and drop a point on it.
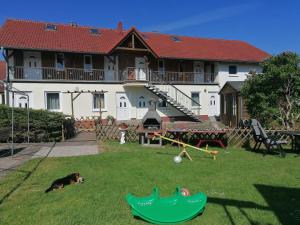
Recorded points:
(51, 27)
(94, 31)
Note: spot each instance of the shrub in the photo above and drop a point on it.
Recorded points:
(44, 125)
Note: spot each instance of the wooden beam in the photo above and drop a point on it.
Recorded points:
(134, 49)
(132, 40)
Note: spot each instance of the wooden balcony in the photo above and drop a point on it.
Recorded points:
(130, 74)
(51, 73)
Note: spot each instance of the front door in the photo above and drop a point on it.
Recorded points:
(123, 107)
(198, 72)
(110, 69)
(141, 108)
(140, 68)
(213, 104)
(32, 66)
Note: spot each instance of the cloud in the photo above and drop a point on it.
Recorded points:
(209, 16)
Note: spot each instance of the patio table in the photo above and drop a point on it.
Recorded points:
(202, 136)
(295, 136)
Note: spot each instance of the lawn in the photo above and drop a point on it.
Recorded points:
(242, 187)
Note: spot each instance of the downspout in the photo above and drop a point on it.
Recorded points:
(7, 76)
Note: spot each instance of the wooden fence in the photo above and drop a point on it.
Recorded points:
(242, 137)
(112, 132)
(235, 137)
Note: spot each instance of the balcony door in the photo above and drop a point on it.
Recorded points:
(32, 66)
(198, 72)
(141, 68)
(110, 69)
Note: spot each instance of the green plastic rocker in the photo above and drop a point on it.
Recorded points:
(173, 209)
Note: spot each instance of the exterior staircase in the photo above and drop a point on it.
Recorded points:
(176, 98)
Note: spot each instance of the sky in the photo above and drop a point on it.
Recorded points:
(273, 26)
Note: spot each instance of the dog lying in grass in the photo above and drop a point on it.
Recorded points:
(73, 178)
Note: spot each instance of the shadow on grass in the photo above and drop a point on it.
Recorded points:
(263, 151)
(241, 205)
(28, 174)
(284, 202)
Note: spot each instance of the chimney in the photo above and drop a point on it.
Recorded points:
(120, 27)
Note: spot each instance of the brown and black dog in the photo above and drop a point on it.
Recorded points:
(73, 178)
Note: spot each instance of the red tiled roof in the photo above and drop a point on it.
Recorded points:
(2, 73)
(204, 48)
(32, 35)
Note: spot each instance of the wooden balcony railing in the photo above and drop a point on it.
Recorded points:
(50, 73)
(181, 77)
(129, 74)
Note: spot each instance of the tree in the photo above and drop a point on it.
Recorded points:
(275, 93)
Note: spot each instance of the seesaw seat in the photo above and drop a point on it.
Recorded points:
(173, 209)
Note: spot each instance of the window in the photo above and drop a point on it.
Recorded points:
(60, 61)
(161, 67)
(142, 102)
(94, 31)
(232, 69)
(53, 101)
(88, 65)
(162, 103)
(233, 105)
(175, 39)
(224, 104)
(98, 99)
(196, 98)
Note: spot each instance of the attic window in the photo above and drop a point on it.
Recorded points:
(175, 39)
(51, 27)
(94, 31)
(145, 36)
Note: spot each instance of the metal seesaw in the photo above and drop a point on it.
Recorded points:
(184, 145)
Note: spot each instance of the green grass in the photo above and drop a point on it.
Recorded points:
(242, 187)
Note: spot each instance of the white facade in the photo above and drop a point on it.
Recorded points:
(128, 101)
(83, 105)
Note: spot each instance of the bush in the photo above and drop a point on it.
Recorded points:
(44, 125)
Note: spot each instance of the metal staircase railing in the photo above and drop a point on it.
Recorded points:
(177, 99)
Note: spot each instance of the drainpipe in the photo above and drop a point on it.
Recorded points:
(7, 75)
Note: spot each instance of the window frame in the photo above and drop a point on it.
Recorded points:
(56, 64)
(192, 102)
(139, 101)
(84, 64)
(225, 102)
(103, 109)
(234, 105)
(60, 101)
(236, 70)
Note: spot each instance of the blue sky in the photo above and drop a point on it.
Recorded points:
(273, 26)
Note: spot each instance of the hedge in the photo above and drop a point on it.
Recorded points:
(44, 125)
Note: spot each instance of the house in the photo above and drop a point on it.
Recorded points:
(54, 62)
(2, 78)
(233, 108)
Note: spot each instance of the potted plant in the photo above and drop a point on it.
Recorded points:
(110, 120)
